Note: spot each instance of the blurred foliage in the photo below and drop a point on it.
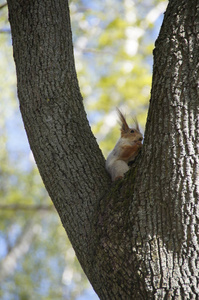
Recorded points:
(113, 42)
(113, 51)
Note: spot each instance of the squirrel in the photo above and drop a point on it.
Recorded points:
(125, 150)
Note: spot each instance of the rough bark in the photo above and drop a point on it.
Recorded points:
(139, 240)
(68, 157)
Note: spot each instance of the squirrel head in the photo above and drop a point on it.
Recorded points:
(132, 134)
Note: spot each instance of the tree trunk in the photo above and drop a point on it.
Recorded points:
(139, 238)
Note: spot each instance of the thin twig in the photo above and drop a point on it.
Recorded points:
(3, 5)
(25, 207)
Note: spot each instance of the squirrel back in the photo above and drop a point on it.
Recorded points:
(125, 150)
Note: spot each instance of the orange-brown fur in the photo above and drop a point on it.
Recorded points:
(128, 151)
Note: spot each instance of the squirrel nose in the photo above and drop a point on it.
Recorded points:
(140, 139)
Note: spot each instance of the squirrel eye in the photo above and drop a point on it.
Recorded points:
(132, 131)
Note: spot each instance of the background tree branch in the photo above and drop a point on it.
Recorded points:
(3, 5)
(16, 207)
(21, 247)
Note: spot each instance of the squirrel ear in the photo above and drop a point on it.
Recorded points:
(124, 126)
(136, 124)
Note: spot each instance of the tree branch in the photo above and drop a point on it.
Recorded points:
(9, 263)
(3, 5)
(24, 207)
(67, 154)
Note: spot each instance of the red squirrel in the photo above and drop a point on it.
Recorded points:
(126, 149)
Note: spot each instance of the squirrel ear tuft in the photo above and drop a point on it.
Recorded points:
(124, 126)
(136, 124)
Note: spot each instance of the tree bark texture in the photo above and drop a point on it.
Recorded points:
(138, 238)
(68, 157)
